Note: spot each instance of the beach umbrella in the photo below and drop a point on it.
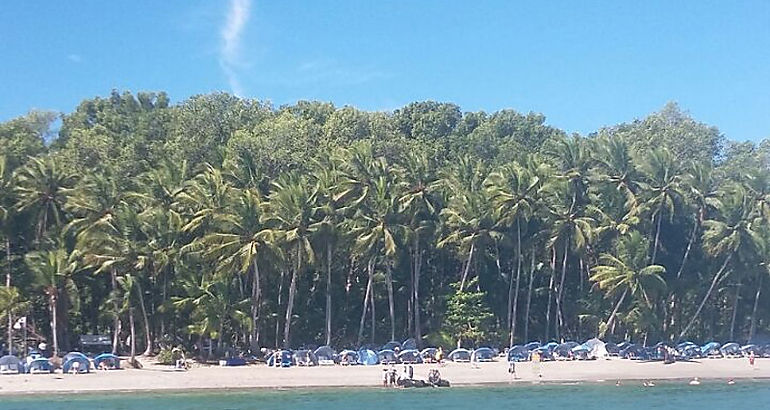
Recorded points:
(563, 350)
(596, 348)
(392, 345)
(730, 349)
(108, 360)
(459, 355)
(387, 356)
(411, 356)
(76, 364)
(409, 344)
(367, 357)
(518, 353)
(612, 349)
(10, 365)
(325, 355)
(711, 349)
(40, 365)
(483, 354)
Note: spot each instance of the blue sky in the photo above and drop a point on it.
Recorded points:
(584, 64)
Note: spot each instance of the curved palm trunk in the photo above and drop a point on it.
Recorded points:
(561, 322)
(416, 289)
(657, 234)
(256, 294)
(133, 334)
(147, 335)
(550, 295)
(714, 282)
(735, 311)
(54, 324)
(753, 327)
(467, 266)
(290, 301)
(370, 272)
(611, 320)
(328, 294)
(278, 317)
(389, 277)
(689, 247)
(8, 286)
(529, 296)
(518, 277)
(116, 308)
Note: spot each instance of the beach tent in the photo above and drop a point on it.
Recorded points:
(563, 350)
(711, 349)
(411, 356)
(429, 354)
(581, 352)
(612, 349)
(367, 357)
(483, 354)
(409, 344)
(11, 365)
(348, 357)
(531, 346)
(518, 353)
(730, 349)
(765, 351)
(633, 351)
(40, 366)
(392, 345)
(305, 358)
(387, 356)
(459, 355)
(280, 358)
(596, 348)
(751, 348)
(325, 355)
(76, 364)
(107, 360)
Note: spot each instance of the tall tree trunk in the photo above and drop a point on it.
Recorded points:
(256, 295)
(611, 320)
(714, 282)
(391, 307)
(518, 277)
(529, 296)
(561, 322)
(687, 251)
(278, 317)
(416, 288)
(374, 316)
(735, 311)
(550, 294)
(147, 335)
(657, 234)
(116, 319)
(290, 301)
(370, 274)
(753, 327)
(328, 293)
(54, 324)
(467, 266)
(133, 334)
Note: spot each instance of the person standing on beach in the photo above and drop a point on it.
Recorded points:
(385, 377)
(751, 359)
(512, 370)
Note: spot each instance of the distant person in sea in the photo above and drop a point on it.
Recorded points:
(731, 382)
(694, 382)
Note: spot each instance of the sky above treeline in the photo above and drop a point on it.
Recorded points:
(583, 64)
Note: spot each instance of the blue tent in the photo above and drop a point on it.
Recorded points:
(730, 349)
(39, 366)
(325, 355)
(76, 364)
(518, 353)
(367, 357)
(409, 344)
(10, 365)
(633, 351)
(411, 356)
(348, 357)
(751, 348)
(459, 355)
(387, 356)
(108, 361)
(70, 355)
(429, 354)
(392, 345)
(305, 358)
(563, 350)
(280, 358)
(711, 349)
(532, 346)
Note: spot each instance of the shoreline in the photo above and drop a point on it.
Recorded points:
(162, 380)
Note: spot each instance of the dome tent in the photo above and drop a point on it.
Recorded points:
(326, 355)
(10, 365)
(40, 365)
(107, 361)
(75, 362)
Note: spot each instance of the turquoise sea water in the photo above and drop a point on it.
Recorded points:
(666, 395)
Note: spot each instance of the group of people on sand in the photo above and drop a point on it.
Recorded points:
(391, 378)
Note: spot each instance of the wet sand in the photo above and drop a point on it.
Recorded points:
(160, 378)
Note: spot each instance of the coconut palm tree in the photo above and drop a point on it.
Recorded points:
(733, 235)
(663, 188)
(42, 187)
(626, 273)
(53, 272)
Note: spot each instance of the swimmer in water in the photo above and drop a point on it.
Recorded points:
(694, 382)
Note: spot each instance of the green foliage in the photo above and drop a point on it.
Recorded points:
(468, 318)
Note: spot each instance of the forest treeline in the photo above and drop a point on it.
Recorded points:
(222, 222)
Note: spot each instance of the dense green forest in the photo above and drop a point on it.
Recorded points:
(232, 221)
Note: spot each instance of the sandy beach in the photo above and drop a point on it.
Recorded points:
(160, 378)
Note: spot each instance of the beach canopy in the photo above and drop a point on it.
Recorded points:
(612, 349)
(429, 354)
(77, 364)
(409, 344)
(596, 348)
(751, 348)
(109, 360)
(459, 355)
(483, 354)
(305, 358)
(348, 357)
(387, 356)
(563, 350)
(633, 351)
(711, 348)
(40, 366)
(70, 355)
(367, 357)
(280, 358)
(410, 356)
(518, 353)
(325, 355)
(532, 346)
(10, 365)
(392, 345)
(730, 349)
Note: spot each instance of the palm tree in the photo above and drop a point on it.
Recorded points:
(734, 235)
(626, 273)
(662, 185)
(42, 187)
(513, 190)
(53, 271)
(290, 207)
(6, 204)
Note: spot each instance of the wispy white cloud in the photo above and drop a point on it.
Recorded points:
(75, 58)
(327, 72)
(229, 55)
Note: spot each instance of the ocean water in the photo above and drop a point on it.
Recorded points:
(666, 395)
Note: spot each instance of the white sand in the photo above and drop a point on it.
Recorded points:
(153, 377)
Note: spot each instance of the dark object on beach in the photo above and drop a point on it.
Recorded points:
(634, 352)
(416, 383)
(564, 350)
